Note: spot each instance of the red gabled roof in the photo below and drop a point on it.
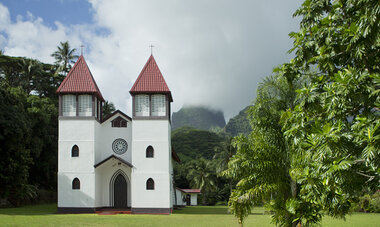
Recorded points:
(80, 80)
(189, 190)
(151, 80)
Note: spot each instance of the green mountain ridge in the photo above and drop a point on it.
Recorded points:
(199, 117)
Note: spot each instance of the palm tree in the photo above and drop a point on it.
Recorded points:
(202, 176)
(64, 57)
(108, 109)
(222, 156)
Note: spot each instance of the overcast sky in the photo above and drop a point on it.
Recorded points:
(211, 53)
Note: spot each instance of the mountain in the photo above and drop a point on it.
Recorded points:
(239, 124)
(198, 117)
(190, 143)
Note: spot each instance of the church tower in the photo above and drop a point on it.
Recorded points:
(80, 113)
(152, 188)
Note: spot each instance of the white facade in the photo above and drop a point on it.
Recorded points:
(97, 164)
(117, 162)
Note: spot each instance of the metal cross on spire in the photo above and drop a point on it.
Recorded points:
(151, 49)
(81, 49)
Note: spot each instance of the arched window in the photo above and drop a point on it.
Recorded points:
(149, 152)
(76, 183)
(75, 151)
(150, 184)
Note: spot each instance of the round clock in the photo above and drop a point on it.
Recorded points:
(119, 146)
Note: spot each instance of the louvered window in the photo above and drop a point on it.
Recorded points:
(158, 105)
(85, 105)
(96, 107)
(69, 105)
(142, 105)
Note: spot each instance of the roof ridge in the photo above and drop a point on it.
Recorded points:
(150, 80)
(80, 80)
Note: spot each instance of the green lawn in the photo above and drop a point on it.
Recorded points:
(44, 215)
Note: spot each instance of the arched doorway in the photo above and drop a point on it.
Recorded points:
(120, 192)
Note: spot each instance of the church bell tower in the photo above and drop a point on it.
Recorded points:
(151, 141)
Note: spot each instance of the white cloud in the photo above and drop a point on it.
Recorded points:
(210, 52)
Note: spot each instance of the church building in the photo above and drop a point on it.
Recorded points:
(118, 161)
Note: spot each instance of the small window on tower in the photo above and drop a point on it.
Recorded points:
(150, 184)
(142, 105)
(69, 105)
(149, 152)
(75, 151)
(158, 105)
(76, 184)
(85, 105)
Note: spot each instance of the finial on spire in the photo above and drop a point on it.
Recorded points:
(81, 49)
(151, 49)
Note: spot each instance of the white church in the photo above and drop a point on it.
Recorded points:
(119, 161)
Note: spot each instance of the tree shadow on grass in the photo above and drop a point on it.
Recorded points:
(207, 210)
(44, 209)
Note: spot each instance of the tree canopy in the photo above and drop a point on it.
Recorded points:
(326, 136)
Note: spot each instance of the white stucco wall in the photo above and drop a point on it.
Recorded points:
(107, 134)
(179, 196)
(193, 199)
(81, 133)
(84, 197)
(157, 134)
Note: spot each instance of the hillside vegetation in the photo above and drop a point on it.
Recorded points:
(198, 117)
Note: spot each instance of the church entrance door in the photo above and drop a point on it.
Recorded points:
(120, 192)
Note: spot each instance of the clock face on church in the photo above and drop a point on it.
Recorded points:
(119, 146)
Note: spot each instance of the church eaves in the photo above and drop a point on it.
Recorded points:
(151, 80)
(80, 81)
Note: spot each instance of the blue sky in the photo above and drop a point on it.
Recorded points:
(65, 11)
(212, 53)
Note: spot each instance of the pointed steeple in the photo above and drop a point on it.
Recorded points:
(80, 81)
(151, 80)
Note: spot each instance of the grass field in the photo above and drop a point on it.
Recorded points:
(44, 215)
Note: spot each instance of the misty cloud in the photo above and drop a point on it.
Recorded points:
(212, 53)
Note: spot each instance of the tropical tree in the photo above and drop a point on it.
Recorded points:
(329, 147)
(335, 124)
(202, 176)
(108, 109)
(263, 158)
(64, 57)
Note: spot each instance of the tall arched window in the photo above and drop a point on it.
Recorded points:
(75, 151)
(150, 184)
(149, 152)
(76, 183)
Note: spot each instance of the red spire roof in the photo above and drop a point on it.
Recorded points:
(80, 80)
(151, 80)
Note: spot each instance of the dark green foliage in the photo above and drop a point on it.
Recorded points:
(202, 155)
(239, 124)
(191, 143)
(108, 109)
(198, 117)
(368, 203)
(330, 128)
(15, 133)
(28, 118)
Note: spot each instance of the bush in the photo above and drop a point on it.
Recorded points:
(368, 203)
